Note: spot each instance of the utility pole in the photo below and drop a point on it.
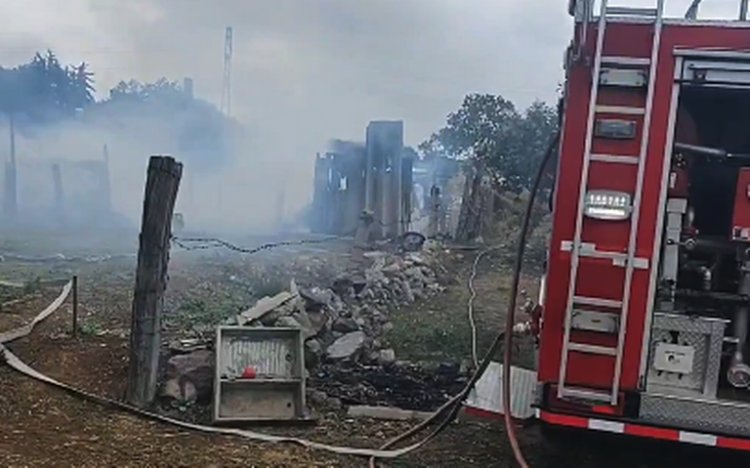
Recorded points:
(162, 182)
(226, 87)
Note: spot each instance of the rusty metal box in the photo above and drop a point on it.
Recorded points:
(259, 375)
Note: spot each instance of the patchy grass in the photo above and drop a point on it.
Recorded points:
(90, 328)
(439, 330)
(198, 313)
(429, 335)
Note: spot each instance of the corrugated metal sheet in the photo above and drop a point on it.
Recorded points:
(273, 358)
(487, 395)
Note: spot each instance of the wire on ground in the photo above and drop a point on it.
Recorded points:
(187, 243)
(472, 297)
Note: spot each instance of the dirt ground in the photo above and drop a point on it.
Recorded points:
(44, 426)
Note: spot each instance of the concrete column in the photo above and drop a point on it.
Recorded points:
(319, 187)
(407, 193)
(385, 141)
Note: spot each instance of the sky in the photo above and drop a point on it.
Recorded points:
(319, 67)
(307, 71)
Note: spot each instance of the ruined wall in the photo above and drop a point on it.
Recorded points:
(385, 145)
(339, 196)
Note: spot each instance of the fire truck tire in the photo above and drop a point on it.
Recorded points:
(557, 445)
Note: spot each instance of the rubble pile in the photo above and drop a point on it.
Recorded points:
(346, 319)
(343, 322)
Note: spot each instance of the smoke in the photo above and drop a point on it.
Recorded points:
(303, 72)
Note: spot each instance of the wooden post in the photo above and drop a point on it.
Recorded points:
(163, 180)
(75, 306)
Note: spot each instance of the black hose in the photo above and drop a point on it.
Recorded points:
(510, 318)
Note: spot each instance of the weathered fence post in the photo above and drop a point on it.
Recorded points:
(163, 180)
(75, 306)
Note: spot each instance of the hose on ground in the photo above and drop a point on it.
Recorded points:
(510, 317)
(449, 410)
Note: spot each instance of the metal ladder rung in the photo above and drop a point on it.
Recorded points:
(623, 110)
(592, 349)
(586, 394)
(626, 61)
(597, 302)
(615, 158)
(630, 11)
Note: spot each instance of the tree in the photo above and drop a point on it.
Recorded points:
(533, 135)
(488, 131)
(482, 120)
(43, 89)
(502, 148)
(161, 90)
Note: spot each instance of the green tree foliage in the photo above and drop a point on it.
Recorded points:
(43, 92)
(162, 90)
(43, 89)
(489, 131)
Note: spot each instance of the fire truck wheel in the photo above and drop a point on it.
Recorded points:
(557, 445)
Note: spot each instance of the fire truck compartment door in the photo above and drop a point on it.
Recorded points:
(705, 71)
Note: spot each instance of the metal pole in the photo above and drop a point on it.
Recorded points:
(692, 11)
(75, 306)
(743, 10)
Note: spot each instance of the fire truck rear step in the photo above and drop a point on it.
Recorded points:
(577, 248)
(584, 394)
(728, 417)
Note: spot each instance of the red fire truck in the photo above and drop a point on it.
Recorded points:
(647, 292)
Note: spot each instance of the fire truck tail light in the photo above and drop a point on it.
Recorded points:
(607, 205)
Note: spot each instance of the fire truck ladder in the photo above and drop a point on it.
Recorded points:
(578, 249)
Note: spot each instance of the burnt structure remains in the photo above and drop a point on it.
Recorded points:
(57, 192)
(368, 183)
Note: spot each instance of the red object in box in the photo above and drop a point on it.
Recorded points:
(249, 373)
(741, 217)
